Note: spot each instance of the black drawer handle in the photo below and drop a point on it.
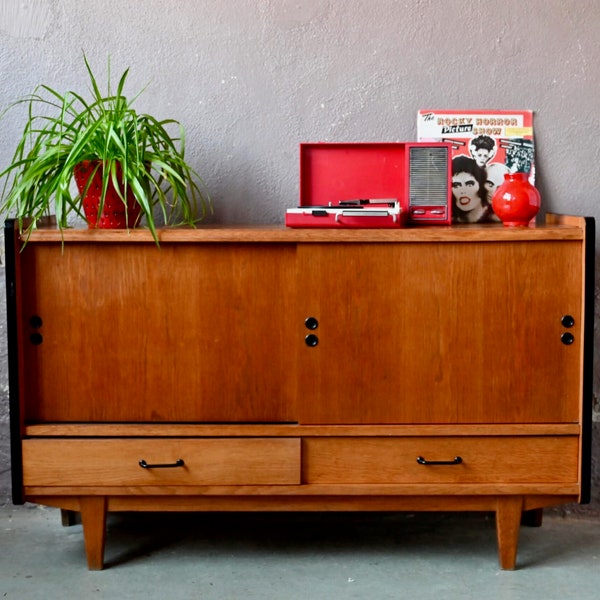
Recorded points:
(178, 463)
(457, 460)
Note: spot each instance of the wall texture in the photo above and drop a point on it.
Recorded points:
(251, 79)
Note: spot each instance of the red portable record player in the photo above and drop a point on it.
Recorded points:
(373, 184)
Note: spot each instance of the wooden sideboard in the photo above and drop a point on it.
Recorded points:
(263, 368)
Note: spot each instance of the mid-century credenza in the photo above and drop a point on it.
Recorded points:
(264, 368)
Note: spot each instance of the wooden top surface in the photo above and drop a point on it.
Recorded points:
(556, 228)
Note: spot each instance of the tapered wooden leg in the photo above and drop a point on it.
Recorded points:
(93, 519)
(508, 522)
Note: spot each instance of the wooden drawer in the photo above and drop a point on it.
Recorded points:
(115, 462)
(527, 459)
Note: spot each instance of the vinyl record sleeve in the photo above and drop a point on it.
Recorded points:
(496, 141)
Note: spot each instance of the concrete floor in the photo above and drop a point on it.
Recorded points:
(296, 556)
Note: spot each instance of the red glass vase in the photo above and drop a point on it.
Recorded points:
(115, 214)
(516, 201)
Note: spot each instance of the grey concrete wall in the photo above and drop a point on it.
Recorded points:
(250, 79)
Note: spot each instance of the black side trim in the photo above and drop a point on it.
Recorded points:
(588, 359)
(16, 454)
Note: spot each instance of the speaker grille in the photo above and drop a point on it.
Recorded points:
(428, 176)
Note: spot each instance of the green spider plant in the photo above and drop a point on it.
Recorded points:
(136, 152)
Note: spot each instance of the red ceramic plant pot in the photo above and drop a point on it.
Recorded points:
(115, 214)
(516, 201)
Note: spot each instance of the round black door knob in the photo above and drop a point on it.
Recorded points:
(36, 321)
(311, 340)
(36, 339)
(567, 338)
(567, 321)
(311, 323)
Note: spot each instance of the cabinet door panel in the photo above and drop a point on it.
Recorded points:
(440, 333)
(187, 332)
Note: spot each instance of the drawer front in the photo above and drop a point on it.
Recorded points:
(115, 462)
(530, 459)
